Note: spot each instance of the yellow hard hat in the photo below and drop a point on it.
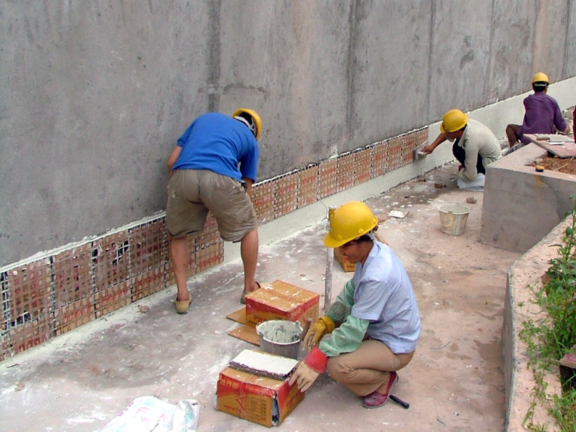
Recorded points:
(453, 121)
(256, 126)
(348, 222)
(540, 77)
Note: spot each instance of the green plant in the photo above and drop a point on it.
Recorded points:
(552, 335)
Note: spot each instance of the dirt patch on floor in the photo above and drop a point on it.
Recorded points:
(567, 166)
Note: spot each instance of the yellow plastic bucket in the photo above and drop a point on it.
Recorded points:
(453, 218)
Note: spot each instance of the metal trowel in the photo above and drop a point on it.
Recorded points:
(418, 154)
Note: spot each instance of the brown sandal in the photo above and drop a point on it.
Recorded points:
(243, 298)
(182, 306)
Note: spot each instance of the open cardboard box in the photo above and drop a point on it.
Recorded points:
(258, 399)
(346, 265)
(278, 300)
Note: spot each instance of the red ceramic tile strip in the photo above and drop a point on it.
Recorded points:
(308, 186)
(346, 172)
(379, 155)
(263, 199)
(30, 291)
(363, 165)
(74, 315)
(111, 260)
(147, 283)
(286, 195)
(31, 334)
(148, 247)
(328, 171)
(72, 275)
(112, 298)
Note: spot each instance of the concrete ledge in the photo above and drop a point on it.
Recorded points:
(518, 380)
(521, 205)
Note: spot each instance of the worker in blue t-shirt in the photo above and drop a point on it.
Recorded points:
(212, 169)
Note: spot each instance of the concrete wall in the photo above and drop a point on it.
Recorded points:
(93, 95)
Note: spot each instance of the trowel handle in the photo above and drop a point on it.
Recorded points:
(305, 328)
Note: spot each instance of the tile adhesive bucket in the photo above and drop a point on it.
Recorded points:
(453, 218)
(280, 337)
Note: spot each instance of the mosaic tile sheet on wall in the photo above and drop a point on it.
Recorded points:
(67, 289)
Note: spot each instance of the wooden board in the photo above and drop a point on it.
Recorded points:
(246, 333)
(558, 145)
(239, 316)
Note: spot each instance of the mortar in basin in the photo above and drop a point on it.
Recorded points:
(280, 337)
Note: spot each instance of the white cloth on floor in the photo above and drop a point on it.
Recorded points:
(475, 185)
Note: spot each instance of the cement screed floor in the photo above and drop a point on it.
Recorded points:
(80, 381)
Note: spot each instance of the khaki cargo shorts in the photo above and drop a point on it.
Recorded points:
(192, 193)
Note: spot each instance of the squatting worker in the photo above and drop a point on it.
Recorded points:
(542, 116)
(373, 326)
(474, 146)
(212, 169)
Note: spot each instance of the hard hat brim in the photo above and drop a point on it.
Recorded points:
(331, 242)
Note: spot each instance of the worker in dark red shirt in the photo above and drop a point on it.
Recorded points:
(543, 115)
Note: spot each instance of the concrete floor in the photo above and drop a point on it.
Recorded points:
(81, 380)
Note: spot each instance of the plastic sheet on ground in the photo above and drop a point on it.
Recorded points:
(149, 414)
(475, 185)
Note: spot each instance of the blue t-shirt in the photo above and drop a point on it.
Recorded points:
(219, 143)
(384, 296)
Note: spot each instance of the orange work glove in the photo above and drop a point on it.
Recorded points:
(324, 326)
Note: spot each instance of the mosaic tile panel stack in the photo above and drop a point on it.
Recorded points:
(64, 290)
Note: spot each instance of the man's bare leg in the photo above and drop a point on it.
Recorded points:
(512, 131)
(249, 254)
(179, 257)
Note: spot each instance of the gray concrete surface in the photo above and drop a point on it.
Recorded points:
(522, 205)
(83, 379)
(526, 273)
(93, 95)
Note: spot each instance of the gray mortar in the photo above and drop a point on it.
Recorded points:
(280, 332)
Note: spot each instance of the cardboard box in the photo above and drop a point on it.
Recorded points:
(346, 265)
(260, 400)
(281, 300)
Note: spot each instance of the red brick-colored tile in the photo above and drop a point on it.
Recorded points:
(363, 165)
(111, 260)
(72, 275)
(263, 199)
(148, 247)
(395, 153)
(308, 186)
(74, 315)
(346, 172)
(5, 350)
(112, 298)
(328, 173)
(408, 146)
(147, 283)
(31, 334)
(379, 155)
(29, 291)
(210, 256)
(286, 195)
